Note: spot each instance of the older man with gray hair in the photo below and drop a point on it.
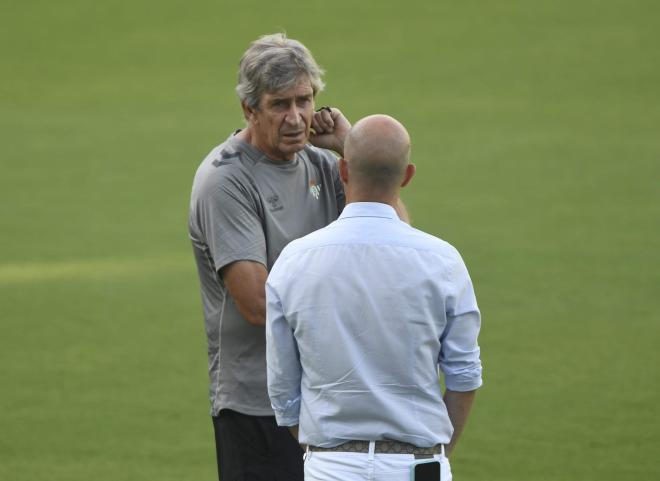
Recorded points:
(361, 316)
(261, 188)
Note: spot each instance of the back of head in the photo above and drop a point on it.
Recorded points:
(377, 151)
(274, 63)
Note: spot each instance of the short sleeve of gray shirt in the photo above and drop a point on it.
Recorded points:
(227, 219)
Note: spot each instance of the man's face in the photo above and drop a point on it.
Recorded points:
(280, 126)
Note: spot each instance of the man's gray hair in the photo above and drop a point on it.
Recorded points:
(274, 63)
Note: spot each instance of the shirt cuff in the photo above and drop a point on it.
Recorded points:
(289, 415)
(464, 382)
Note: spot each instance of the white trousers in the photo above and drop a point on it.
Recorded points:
(340, 466)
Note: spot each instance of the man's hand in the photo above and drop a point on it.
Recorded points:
(330, 128)
(294, 431)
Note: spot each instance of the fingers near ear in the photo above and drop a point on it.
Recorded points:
(322, 121)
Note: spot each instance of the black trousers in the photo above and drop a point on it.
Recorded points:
(255, 448)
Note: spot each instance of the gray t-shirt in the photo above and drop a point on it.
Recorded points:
(245, 206)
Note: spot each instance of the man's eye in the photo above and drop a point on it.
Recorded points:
(279, 103)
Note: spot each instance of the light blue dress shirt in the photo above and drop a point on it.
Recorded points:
(360, 315)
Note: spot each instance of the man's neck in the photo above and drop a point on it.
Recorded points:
(244, 135)
(391, 199)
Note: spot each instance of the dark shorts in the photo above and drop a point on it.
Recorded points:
(255, 448)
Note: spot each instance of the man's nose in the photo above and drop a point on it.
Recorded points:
(293, 114)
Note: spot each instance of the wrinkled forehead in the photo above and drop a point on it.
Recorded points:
(299, 87)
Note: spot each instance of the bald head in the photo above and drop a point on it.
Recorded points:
(377, 152)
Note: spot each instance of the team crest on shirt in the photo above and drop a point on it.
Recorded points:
(314, 189)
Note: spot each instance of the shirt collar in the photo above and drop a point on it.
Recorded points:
(368, 209)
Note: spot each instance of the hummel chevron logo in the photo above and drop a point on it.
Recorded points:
(225, 158)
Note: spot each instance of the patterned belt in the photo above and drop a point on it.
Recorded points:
(385, 446)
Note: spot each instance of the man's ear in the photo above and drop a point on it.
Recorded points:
(410, 173)
(343, 170)
(248, 112)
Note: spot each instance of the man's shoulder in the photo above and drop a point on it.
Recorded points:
(322, 157)
(226, 163)
(229, 157)
(425, 241)
(426, 238)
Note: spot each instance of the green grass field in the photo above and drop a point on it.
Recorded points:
(535, 132)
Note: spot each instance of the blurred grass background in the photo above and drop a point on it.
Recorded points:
(535, 133)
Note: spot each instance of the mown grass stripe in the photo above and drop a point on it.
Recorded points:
(92, 269)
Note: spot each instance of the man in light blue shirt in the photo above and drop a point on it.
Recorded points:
(360, 316)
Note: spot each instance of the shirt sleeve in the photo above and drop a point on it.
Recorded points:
(459, 355)
(229, 219)
(284, 371)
